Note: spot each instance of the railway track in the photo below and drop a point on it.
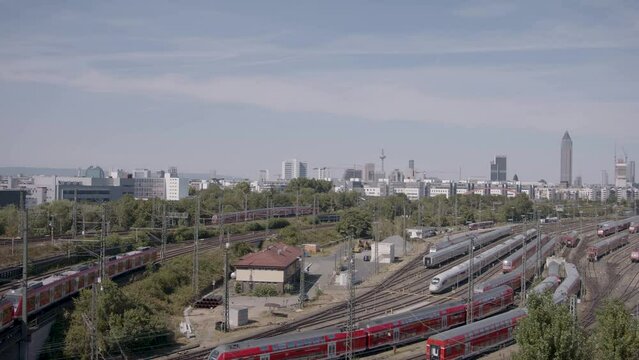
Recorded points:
(409, 284)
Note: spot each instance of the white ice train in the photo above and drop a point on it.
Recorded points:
(446, 280)
(436, 259)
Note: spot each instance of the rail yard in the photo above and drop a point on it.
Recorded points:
(408, 287)
(390, 310)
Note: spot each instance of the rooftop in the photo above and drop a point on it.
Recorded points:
(278, 256)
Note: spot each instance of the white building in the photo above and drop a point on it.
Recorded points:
(293, 169)
(176, 188)
(378, 190)
(412, 192)
(440, 190)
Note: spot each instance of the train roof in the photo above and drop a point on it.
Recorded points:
(285, 338)
(411, 315)
(609, 240)
(493, 320)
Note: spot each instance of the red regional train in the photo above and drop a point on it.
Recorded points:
(514, 260)
(481, 225)
(260, 214)
(387, 331)
(55, 288)
(6, 313)
(474, 339)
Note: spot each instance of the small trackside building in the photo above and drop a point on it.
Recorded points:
(276, 265)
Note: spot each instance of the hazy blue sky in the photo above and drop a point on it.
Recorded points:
(242, 85)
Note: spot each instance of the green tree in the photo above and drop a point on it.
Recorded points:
(291, 235)
(123, 324)
(616, 336)
(549, 332)
(240, 249)
(355, 222)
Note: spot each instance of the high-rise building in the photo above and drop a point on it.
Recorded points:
(352, 174)
(369, 172)
(621, 173)
(566, 160)
(578, 181)
(263, 175)
(411, 169)
(498, 170)
(173, 171)
(631, 172)
(292, 169)
(604, 178)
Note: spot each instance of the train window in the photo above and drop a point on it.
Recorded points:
(435, 281)
(263, 348)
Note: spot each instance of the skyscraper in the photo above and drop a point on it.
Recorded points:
(566, 160)
(498, 170)
(369, 172)
(293, 168)
(631, 172)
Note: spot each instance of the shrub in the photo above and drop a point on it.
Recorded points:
(263, 290)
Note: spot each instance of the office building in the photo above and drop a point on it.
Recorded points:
(566, 160)
(604, 178)
(621, 173)
(352, 174)
(94, 172)
(498, 170)
(141, 173)
(631, 172)
(292, 169)
(369, 172)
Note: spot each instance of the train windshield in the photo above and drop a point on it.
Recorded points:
(434, 352)
(214, 354)
(435, 281)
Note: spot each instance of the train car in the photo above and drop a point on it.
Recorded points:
(515, 259)
(418, 324)
(481, 225)
(458, 274)
(260, 214)
(634, 255)
(6, 313)
(55, 288)
(474, 339)
(329, 343)
(450, 241)
(438, 258)
(569, 286)
(603, 247)
(570, 240)
(547, 284)
(513, 278)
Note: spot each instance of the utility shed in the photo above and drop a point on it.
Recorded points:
(276, 265)
(238, 316)
(386, 252)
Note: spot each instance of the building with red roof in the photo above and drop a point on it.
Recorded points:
(276, 265)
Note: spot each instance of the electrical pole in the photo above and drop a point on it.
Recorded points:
(226, 286)
(471, 275)
(404, 230)
(24, 343)
(302, 290)
(93, 325)
(351, 300)
(523, 266)
(163, 249)
(102, 246)
(74, 229)
(196, 249)
(221, 220)
(540, 266)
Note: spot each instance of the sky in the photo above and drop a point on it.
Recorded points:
(238, 86)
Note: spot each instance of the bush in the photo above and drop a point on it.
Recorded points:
(263, 290)
(278, 223)
(254, 226)
(238, 288)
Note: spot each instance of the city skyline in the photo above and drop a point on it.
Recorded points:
(238, 89)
